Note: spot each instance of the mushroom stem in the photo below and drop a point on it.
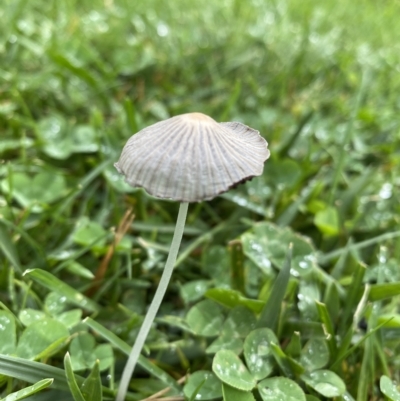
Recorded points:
(155, 304)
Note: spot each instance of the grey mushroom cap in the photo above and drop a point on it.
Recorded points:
(191, 157)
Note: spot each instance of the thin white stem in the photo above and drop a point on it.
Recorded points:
(155, 304)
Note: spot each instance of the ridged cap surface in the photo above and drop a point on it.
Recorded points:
(191, 157)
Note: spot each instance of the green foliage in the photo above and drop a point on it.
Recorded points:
(389, 389)
(203, 319)
(204, 385)
(84, 353)
(233, 394)
(258, 354)
(229, 368)
(325, 382)
(34, 193)
(278, 388)
(41, 339)
(320, 81)
(8, 333)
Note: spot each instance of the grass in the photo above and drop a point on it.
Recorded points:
(320, 81)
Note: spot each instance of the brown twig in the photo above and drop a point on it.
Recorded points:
(122, 229)
(155, 397)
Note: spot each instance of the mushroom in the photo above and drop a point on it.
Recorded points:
(186, 158)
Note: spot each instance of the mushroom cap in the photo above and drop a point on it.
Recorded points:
(191, 157)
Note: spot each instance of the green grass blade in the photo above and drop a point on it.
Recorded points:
(290, 367)
(366, 377)
(73, 385)
(340, 265)
(108, 335)
(270, 313)
(293, 209)
(130, 116)
(116, 342)
(197, 389)
(348, 135)
(81, 187)
(293, 137)
(75, 255)
(79, 72)
(353, 296)
(28, 391)
(328, 328)
(54, 284)
(237, 265)
(8, 249)
(29, 240)
(231, 101)
(165, 228)
(343, 356)
(357, 246)
(32, 372)
(378, 292)
(207, 236)
(344, 347)
(91, 387)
